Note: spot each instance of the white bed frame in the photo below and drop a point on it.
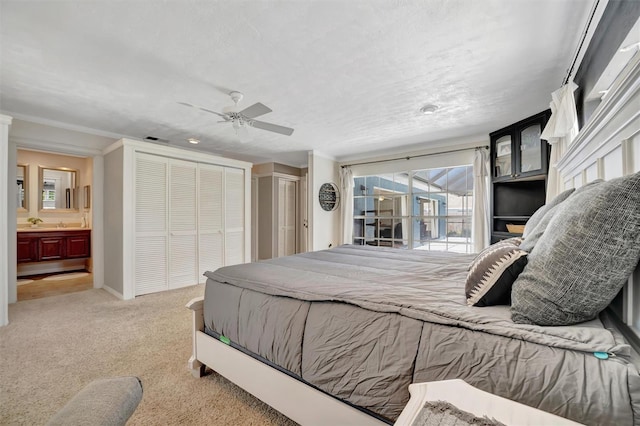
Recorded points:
(607, 147)
(301, 403)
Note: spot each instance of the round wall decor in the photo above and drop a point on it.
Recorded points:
(329, 196)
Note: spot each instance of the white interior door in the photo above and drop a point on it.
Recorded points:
(210, 220)
(287, 209)
(151, 180)
(304, 216)
(183, 224)
(234, 214)
(254, 219)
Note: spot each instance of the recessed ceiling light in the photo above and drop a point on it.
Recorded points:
(429, 109)
(194, 141)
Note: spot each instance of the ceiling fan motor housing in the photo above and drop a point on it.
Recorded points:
(236, 96)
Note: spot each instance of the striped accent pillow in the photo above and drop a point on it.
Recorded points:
(514, 241)
(492, 274)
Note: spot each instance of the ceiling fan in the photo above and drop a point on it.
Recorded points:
(245, 117)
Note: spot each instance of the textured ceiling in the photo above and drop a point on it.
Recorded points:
(349, 76)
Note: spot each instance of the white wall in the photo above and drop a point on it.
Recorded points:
(56, 139)
(113, 220)
(12, 258)
(7, 228)
(324, 226)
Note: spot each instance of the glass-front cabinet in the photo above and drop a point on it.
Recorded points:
(517, 150)
(520, 162)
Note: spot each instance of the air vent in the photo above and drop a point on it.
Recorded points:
(155, 139)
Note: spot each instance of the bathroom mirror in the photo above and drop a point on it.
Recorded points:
(22, 193)
(58, 189)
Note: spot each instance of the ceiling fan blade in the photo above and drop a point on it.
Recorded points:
(255, 110)
(213, 112)
(187, 104)
(271, 127)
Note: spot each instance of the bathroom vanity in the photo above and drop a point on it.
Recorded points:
(42, 244)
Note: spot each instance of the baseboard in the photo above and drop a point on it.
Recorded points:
(113, 292)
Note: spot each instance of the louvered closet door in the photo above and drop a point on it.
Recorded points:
(234, 216)
(287, 199)
(211, 225)
(151, 224)
(183, 224)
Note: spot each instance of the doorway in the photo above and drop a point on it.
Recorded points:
(53, 224)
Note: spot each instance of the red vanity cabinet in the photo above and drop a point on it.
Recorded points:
(27, 249)
(78, 246)
(36, 246)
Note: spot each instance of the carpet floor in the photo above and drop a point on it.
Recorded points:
(55, 346)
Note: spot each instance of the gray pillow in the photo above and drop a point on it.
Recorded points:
(542, 211)
(532, 237)
(582, 260)
(534, 233)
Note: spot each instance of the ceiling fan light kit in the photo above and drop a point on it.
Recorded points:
(245, 117)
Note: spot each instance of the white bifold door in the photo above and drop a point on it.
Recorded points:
(189, 219)
(221, 217)
(211, 219)
(151, 239)
(183, 223)
(234, 216)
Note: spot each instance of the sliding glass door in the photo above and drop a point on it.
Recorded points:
(427, 209)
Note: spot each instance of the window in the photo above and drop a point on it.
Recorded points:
(49, 195)
(422, 209)
(380, 207)
(444, 199)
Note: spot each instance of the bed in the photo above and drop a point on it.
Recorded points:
(336, 336)
(361, 323)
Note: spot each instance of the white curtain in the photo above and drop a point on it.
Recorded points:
(560, 131)
(480, 223)
(346, 204)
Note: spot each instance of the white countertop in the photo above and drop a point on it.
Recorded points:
(43, 229)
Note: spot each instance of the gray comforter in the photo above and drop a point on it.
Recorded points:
(362, 323)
